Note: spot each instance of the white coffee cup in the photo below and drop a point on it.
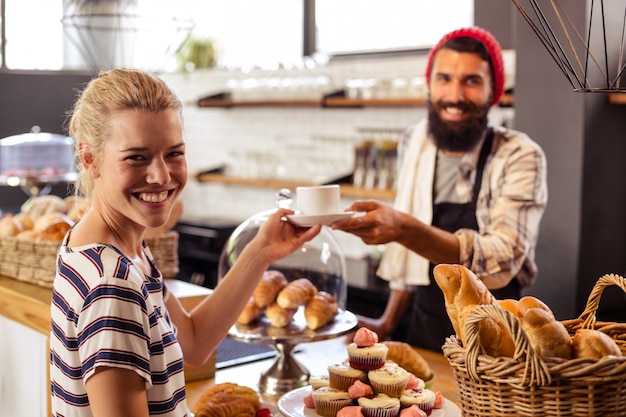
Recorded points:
(318, 200)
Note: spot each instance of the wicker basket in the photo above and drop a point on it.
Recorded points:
(34, 261)
(527, 385)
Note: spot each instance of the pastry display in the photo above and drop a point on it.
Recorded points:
(378, 391)
(278, 300)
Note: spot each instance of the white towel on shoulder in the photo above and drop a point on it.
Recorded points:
(399, 265)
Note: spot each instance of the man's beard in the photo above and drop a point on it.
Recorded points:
(461, 136)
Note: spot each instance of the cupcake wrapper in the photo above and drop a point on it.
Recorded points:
(343, 382)
(380, 412)
(367, 364)
(394, 390)
(330, 408)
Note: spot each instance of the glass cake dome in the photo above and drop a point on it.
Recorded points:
(320, 260)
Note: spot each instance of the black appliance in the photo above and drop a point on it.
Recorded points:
(200, 243)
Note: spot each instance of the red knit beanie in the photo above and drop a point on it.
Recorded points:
(493, 48)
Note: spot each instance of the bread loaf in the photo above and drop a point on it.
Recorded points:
(408, 358)
(38, 206)
(462, 291)
(591, 343)
(268, 288)
(548, 336)
(296, 293)
(320, 310)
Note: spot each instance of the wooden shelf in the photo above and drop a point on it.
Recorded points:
(346, 189)
(224, 100)
(617, 98)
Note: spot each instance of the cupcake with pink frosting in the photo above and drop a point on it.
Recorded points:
(365, 353)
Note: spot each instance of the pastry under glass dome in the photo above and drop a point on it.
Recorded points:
(322, 262)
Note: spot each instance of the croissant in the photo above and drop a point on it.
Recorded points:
(320, 310)
(296, 293)
(268, 288)
(224, 405)
(249, 313)
(245, 393)
(278, 316)
(408, 358)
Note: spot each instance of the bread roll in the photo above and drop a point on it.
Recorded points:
(528, 302)
(249, 313)
(408, 358)
(548, 336)
(76, 206)
(53, 226)
(278, 316)
(12, 225)
(320, 310)
(268, 288)
(38, 206)
(509, 304)
(296, 293)
(590, 343)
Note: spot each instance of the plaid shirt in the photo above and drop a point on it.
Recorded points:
(511, 202)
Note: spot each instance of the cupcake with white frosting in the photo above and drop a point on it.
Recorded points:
(328, 401)
(380, 405)
(391, 379)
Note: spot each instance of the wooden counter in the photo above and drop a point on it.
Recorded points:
(29, 305)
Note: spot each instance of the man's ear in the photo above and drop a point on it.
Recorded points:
(88, 159)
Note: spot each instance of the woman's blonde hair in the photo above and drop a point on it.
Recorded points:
(112, 91)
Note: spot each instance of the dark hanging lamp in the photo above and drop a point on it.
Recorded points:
(590, 55)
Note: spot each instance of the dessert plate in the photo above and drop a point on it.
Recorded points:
(304, 220)
(291, 404)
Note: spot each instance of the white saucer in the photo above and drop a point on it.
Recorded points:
(304, 220)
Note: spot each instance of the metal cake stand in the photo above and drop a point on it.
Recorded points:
(286, 373)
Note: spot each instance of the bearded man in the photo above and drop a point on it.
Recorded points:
(468, 193)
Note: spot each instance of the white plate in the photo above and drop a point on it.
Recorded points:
(303, 220)
(291, 404)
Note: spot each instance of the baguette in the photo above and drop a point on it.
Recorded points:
(462, 291)
(320, 310)
(296, 293)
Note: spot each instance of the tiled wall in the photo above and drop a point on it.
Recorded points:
(298, 139)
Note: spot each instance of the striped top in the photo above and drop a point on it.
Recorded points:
(106, 312)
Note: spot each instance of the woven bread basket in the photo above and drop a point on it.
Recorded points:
(34, 261)
(527, 385)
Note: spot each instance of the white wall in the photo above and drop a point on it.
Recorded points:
(216, 135)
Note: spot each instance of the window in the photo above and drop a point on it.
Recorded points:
(246, 32)
(358, 26)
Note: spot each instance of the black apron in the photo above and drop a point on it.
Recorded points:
(428, 324)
